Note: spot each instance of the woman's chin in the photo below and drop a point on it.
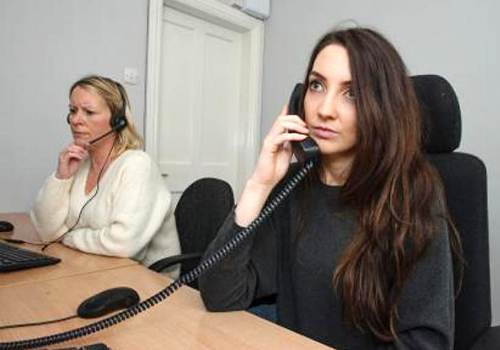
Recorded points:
(81, 140)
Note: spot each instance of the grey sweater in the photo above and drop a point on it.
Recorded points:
(300, 274)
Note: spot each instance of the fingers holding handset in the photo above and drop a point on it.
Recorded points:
(276, 150)
(286, 128)
(273, 163)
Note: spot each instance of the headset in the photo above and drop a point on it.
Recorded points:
(307, 153)
(118, 122)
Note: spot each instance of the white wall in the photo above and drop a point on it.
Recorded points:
(46, 45)
(459, 40)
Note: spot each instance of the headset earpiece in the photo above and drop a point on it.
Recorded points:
(118, 122)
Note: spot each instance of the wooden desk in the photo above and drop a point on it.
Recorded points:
(73, 262)
(179, 322)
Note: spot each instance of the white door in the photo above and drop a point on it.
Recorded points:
(199, 101)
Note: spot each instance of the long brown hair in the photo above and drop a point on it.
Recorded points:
(392, 187)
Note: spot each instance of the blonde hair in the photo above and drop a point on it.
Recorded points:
(116, 99)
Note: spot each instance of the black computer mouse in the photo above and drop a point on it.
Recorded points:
(108, 301)
(6, 226)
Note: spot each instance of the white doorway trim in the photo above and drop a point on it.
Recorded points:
(216, 12)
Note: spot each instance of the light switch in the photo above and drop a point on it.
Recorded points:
(131, 76)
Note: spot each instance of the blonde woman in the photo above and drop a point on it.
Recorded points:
(106, 196)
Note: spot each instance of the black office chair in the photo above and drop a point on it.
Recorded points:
(200, 212)
(464, 178)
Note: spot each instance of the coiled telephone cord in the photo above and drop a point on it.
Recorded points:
(169, 290)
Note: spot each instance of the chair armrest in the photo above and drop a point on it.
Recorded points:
(162, 264)
(489, 340)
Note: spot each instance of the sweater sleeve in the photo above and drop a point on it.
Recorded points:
(136, 208)
(50, 209)
(246, 273)
(426, 309)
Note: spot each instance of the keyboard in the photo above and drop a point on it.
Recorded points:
(14, 258)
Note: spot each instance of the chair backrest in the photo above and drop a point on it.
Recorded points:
(464, 179)
(200, 212)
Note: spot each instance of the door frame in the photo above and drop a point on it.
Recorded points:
(253, 34)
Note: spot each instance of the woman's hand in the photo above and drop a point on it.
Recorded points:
(69, 160)
(276, 152)
(272, 165)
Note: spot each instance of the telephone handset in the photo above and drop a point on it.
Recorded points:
(306, 152)
(307, 149)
